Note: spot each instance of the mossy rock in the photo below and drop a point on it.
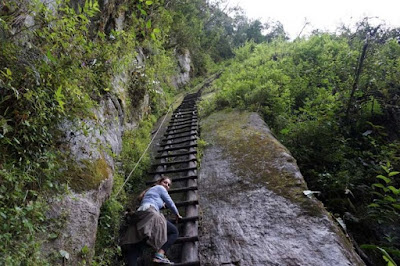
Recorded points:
(88, 175)
(256, 155)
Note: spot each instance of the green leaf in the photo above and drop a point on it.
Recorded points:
(386, 168)
(285, 131)
(373, 205)
(378, 185)
(387, 257)
(149, 3)
(394, 190)
(9, 73)
(393, 173)
(377, 193)
(59, 98)
(384, 178)
(156, 30)
(148, 24)
(368, 246)
(143, 12)
(389, 198)
(397, 206)
(51, 57)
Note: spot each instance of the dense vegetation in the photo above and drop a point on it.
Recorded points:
(333, 100)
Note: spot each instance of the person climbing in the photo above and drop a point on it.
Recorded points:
(148, 225)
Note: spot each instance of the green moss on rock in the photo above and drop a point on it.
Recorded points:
(256, 155)
(88, 175)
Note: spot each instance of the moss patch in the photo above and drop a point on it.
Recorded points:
(87, 176)
(255, 155)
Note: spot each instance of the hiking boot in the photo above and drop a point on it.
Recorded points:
(162, 259)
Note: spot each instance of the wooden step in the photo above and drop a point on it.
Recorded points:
(194, 126)
(173, 171)
(179, 124)
(178, 148)
(178, 113)
(181, 132)
(177, 142)
(172, 163)
(183, 120)
(179, 137)
(176, 179)
(193, 108)
(183, 239)
(175, 155)
(180, 190)
(186, 203)
(182, 117)
(187, 219)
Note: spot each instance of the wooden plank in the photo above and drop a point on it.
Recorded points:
(177, 129)
(181, 132)
(172, 171)
(186, 203)
(177, 142)
(177, 148)
(173, 163)
(180, 137)
(182, 189)
(184, 239)
(175, 155)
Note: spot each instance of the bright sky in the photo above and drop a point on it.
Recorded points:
(324, 15)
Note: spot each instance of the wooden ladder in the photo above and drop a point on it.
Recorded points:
(177, 159)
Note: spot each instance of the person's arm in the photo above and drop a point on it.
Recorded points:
(168, 201)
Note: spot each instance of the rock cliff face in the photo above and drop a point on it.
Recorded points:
(254, 211)
(184, 66)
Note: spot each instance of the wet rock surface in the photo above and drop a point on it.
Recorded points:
(252, 205)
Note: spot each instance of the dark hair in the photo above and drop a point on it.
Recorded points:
(158, 182)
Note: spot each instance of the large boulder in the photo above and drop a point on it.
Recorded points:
(254, 211)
